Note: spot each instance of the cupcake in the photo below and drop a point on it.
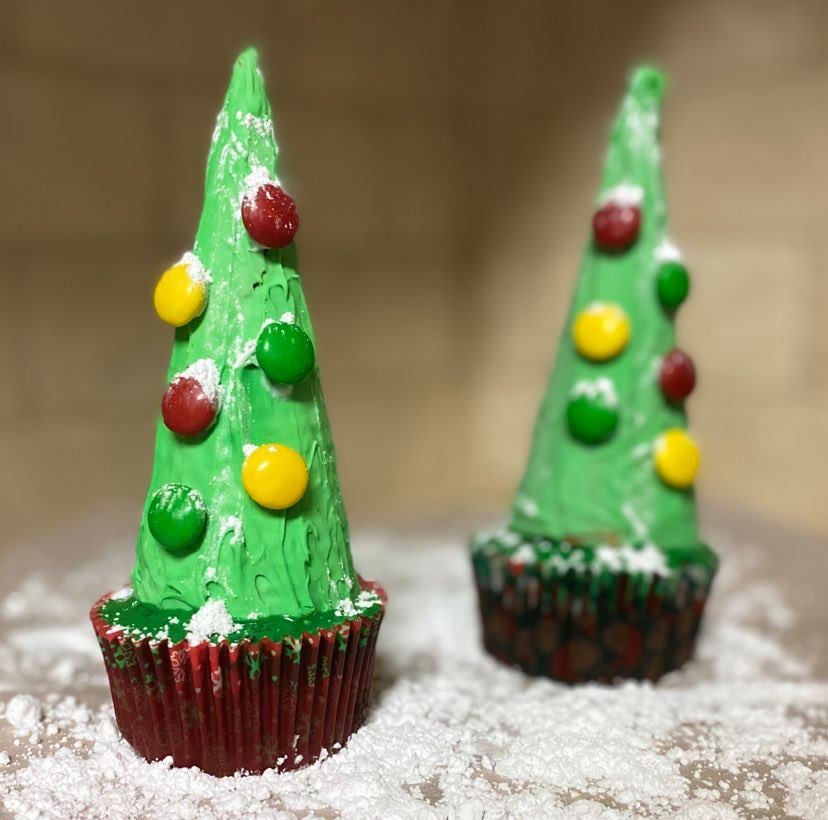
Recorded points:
(245, 640)
(600, 572)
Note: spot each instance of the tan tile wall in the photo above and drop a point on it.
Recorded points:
(445, 156)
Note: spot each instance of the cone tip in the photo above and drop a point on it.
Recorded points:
(648, 82)
(248, 59)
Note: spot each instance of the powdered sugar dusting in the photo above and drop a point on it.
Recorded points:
(121, 594)
(24, 713)
(195, 268)
(742, 731)
(624, 194)
(600, 388)
(206, 373)
(667, 252)
(258, 176)
(351, 608)
(649, 559)
(212, 621)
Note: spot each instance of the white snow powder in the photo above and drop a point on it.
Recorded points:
(232, 525)
(667, 252)
(211, 621)
(527, 506)
(624, 194)
(121, 594)
(195, 269)
(24, 713)
(258, 176)
(740, 732)
(649, 559)
(600, 388)
(206, 373)
(350, 608)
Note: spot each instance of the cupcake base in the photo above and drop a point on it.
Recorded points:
(574, 630)
(244, 707)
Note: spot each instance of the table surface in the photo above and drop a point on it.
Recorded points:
(741, 731)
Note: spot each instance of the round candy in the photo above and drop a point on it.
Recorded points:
(601, 331)
(615, 226)
(285, 352)
(275, 476)
(676, 458)
(673, 284)
(186, 408)
(677, 376)
(592, 412)
(176, 516)
(179, 297)
(269, 215)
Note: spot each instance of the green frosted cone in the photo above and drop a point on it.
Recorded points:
(609, 492)
(292, 563)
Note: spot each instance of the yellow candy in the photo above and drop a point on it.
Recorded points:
(179, 298)
(601, 331)
(275, 476)
(676, 458)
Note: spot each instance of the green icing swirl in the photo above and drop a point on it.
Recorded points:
(288, 564)
(610, 493)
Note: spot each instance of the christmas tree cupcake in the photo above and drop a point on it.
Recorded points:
(246, 639)
(600, 572)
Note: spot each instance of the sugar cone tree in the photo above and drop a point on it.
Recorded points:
(244, 504)
(611, 461)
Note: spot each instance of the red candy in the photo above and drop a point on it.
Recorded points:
(677, 377)
(615, 227)
(186, 409)
(269, 215)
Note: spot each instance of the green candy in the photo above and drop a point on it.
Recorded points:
(176, 516)
(673, 284)
(285, 352)
(592, 416)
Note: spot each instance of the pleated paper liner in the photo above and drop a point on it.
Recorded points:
(574, 628)
(242, 707)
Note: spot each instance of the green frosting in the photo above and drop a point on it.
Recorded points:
(576, 492)
(138, 620)
(266, 565)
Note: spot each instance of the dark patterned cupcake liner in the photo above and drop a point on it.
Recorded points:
(245, 707)
(571, 629)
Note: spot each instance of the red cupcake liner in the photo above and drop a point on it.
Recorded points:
(248, 707)
(558, 628)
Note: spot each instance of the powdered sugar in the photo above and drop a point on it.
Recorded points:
(649, 559)
(258, 176)
(195, 268)
(122, 594)
(263, 126)
(206, 373)
(601, 388)
(667, 252)
(351, 608)
(24, 713)
(232, 525)
(740, 732)
(624, 194)
(211, 621)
